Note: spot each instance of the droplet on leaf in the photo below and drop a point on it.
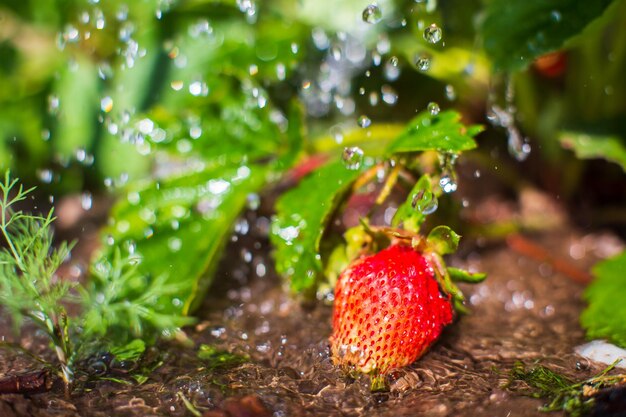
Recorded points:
(425, 202)
(433, 108)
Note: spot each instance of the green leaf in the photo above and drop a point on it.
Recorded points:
(585, 146)
(217, 359)
(420, 202)
(462, 275)
(605, 315)
(443, 133)
(516, 32)
(443, 240)
(179, 225)
(301, 218)
(129, 352)
(77, 94)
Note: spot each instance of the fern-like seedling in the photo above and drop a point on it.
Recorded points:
(29, 286)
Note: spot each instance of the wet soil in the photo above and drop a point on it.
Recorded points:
(527, 310)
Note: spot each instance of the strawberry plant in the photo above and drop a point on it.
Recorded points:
(394, 293)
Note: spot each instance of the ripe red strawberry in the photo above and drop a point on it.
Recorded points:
(388, 311)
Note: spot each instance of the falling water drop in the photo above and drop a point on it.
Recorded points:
(450, 92)
(447, 183)
(432, 33)
(392, 69)
(106, 104)
(390, 95)
(53, 104)
(518, 148)
(373, 97)
(337, 134)
(352, 157)
(86, 201)
(364, 121)
(422, 62)
(372, 14)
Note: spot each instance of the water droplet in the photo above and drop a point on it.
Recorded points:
(98, 17)
(372, 14)
(195, 132)
(281, 71)
(425, 202)
(555, 15)
(335, 52)
(106, 104)
(447, 183)
(248, 7)
(253, 70)
(126, 31)
(183, 146)
(373, 98)
(422, 62)
(145, 126)
(174, 244)
(45, 175)
(431, 6)
(433, 108)
(200, 28)
(376, 59)
(518, 148)
(337, 134)
(105, 71)
(84, 17)
(392, 69)
(450, 92)
(122, 13)
(177, 85)
(383, 45)
(390, 96)
(53, 104)
(364, 121)
(86, 201)
(432, 34)
(352, 157)
(253, 201)
(198, 88)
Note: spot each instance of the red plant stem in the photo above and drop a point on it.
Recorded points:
(526, 247)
